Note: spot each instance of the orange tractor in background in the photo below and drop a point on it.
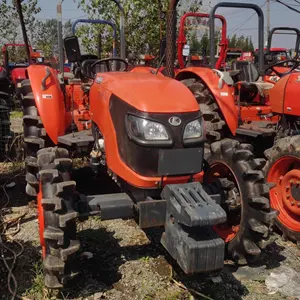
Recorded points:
(120, 118)
(271, 125)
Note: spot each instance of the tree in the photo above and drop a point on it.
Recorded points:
(241, 42)
(46, 38)
(145, 24)
(10, 31)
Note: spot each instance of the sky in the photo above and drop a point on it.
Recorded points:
(240, 21)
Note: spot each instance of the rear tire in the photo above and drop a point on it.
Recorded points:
(233, 170)
(57, 215)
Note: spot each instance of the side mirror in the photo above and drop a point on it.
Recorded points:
(72, 49)
(186, 50)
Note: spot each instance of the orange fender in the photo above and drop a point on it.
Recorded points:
(224, 96)
(49, 102)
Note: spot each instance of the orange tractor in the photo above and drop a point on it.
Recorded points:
(237, 105)
(135, 125)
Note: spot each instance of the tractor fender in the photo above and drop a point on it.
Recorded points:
(223, 96)
(17, 75)
(49, 100)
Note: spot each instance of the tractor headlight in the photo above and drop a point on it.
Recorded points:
(193, 130)
(145, 131)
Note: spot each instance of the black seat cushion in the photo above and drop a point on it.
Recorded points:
(248, 91)
(249, 71)
(86, 68)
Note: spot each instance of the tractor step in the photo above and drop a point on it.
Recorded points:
(189, 236)
(256, 129)
(108, 206)
(79, 139)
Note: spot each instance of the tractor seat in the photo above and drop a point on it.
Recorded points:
(86, 68)
(263, 86)
(248, 71)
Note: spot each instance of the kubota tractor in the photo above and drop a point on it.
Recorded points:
(136, 125)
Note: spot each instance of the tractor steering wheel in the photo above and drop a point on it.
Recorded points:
(109, 65)
(272, 67)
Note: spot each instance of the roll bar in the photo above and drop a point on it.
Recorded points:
(274, 31)
(87, 21)
(260, 14)
(181, 41)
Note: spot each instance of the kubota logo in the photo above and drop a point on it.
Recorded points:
(175, 121)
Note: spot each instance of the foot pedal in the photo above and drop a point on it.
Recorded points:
(188, 236)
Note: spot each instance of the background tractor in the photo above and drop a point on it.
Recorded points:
(135, 125)
(239, 105)
(16, 69)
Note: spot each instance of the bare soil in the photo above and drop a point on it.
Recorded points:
(118, 261)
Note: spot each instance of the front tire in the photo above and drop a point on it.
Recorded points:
(234, 171)
(57, 201)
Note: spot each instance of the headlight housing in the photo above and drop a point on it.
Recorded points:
(193, 131)
(147, 132)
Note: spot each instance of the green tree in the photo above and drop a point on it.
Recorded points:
(204, 45)
(10, 31)
(46, 38)
(145, 24)
(195, 43)
(233, 41)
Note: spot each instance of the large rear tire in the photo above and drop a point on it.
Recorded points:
(57, 201)
(233, 170)
(283, 170)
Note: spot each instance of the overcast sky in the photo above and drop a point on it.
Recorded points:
(236, 18)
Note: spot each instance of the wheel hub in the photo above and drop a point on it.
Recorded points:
(285, 196)
(221, 175)
(290, 189)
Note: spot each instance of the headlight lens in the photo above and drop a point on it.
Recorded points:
(145, 130)
(193, 130)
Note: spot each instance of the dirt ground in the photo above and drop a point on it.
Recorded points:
(118, 261)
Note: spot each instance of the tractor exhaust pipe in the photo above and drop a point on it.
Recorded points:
(60, 38)
(171, 38)
(122, 29)
(25, 37)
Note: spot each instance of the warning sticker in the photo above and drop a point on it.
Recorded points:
(47, 96)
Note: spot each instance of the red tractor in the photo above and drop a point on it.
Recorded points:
(182, 41)
(135, 125)
(16, 70)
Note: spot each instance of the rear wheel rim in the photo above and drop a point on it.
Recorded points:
(285, 196)
(227, 231)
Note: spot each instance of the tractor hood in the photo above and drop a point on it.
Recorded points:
(147, 92)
